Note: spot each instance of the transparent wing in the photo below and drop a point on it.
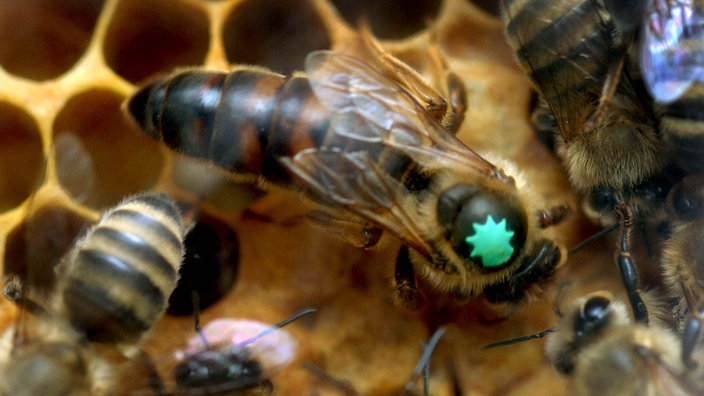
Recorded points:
(355, 181)
(561, 66)
(377, 133)
(672, 47)
(369, 108)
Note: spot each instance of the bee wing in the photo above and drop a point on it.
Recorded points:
(374, 126)
(672, 48)
(368, 107)
(571, 91)
(355, 181)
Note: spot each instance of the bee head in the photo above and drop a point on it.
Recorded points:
(486, 228)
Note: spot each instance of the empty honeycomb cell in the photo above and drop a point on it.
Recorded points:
(389, 19)
(274, 34)
(148, 37)
(42, 39)
(21, 156)
(37, 244)
(125, 160)
(209, 266)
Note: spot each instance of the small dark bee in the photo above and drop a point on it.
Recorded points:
(361, 146)
(111, 288)
(230, 355)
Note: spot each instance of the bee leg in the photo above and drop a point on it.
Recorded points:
(404, 75)
(344, 387)
(552, 216)
(406, 292)
(156, 383)
(457, 96)
(353, 229)
(627, 267)
(455, 91)
(692, 330)
(613, 78)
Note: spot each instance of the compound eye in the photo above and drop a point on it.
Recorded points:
(488, 228)
(686, 199)
(602, 200)
(592, 315)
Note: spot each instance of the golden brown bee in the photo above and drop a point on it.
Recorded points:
(359, 144)
(111, 288)
(574, 52)
(604, 353)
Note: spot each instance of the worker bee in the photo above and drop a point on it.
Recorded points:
(363, 149)
(110, 289)
(575, 54)
(604, 353)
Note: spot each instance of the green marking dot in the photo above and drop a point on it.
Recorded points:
(491, 242)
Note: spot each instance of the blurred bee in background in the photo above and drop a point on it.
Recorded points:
(110, 289)
(374, 157)
(230, 356)
(683, 259)
(604, 353)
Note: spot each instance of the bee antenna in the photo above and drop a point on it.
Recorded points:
(516, 340)
(195, 300)
(593, 238)
(279, 325)
(342, 385)
(423, 366)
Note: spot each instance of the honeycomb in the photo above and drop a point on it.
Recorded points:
(68, 153)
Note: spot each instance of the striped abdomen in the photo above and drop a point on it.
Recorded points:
(565, 46)
(116, 281)
(241, 121)
(682, 126)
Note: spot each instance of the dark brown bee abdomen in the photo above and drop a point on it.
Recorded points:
(241, 121)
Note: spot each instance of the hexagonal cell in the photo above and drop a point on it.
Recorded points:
(126, 161)
(40, 241)
(21, 157)
(274, 34)
(390, 19)
(42, 39)
(209, 266)
(148, 37)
